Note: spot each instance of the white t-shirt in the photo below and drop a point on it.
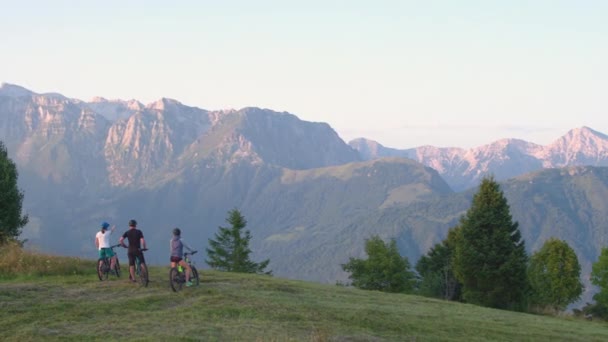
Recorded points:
(104, 239)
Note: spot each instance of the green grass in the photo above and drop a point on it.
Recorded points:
(240, 307)
(15, 261)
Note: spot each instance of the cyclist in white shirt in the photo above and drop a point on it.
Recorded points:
(102, 242)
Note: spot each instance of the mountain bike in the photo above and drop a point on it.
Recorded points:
(177, 275)
(141, 270)
(103, 266)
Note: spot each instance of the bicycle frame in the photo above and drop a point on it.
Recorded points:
(138, 263)
(104, 265)
(177, 274)
(180, 268)
(143, 277)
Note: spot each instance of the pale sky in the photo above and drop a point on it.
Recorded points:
(404, 73)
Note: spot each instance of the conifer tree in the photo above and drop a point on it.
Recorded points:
(554, 275)
(11, 220)
(436, 270)
(230, 249)
(490, 258)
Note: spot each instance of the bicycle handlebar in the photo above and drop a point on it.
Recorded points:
(191, 253)
(141, 249)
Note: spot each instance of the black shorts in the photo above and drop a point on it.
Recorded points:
(176, 259)
(136, 254)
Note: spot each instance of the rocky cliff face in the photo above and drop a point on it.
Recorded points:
(128, 144)
(52, 136)
(311, 145)
(114, 110)
(151, 140)
(582, 146)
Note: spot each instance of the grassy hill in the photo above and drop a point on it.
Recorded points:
(240, 307)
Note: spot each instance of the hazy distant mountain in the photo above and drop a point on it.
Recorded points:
(279, 139)
(306, 221)
(151, 140)
(53, 137)
(74, 163)
(13, 90)
(504, 159)
(309, 198)
(114, 110)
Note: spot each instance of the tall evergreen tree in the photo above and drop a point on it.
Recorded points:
(11, 220)
(436, 270)
(490, 258)
(384, 269)
(554, 275)
(230, 249)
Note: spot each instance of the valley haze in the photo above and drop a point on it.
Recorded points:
(310, 198)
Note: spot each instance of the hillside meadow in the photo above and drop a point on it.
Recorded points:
(54, 298)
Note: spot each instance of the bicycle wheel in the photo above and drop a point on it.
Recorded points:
(117, 268)
(194, 276)
(143, 275)
(175, 280)
(103, 269)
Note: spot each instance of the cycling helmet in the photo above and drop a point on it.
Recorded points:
(105, 225)
(177, 232)
(132, 223)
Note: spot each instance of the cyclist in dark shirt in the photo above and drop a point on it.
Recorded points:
(136, 243)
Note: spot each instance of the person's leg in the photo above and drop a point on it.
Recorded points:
(132, 266)
(101, 256)
(112, 257)
(113, 262)
(188, 269)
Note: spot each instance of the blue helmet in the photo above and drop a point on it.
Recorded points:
(105, 225)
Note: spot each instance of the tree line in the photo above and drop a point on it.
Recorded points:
(483, 261)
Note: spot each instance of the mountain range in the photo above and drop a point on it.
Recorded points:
(506, 158)
(310, 198)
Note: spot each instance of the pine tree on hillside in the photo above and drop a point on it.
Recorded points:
(11, 199)
(490, 258)
(436, 270)
(230, 249)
